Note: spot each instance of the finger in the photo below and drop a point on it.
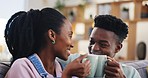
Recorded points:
(87, 66)
(106, 76)
(108, 57)
(112, 69)
(86, 61)
(110, 73)
(112, 62)
(81, 57)
(82, 73)
(89, 69)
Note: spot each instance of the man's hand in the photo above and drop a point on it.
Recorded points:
(112, 69)
(77, 68)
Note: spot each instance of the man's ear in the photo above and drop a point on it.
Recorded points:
(118, 47)
(51, 35)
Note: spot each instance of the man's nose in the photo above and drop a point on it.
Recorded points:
(95, 47)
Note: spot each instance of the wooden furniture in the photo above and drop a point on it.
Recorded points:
(134, 16)
(132, 22)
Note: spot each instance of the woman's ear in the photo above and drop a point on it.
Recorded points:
(51, 35)
(118, 47)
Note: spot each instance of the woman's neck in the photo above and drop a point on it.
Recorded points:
(48, 60)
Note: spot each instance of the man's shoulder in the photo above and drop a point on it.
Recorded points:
(74, 56)
(127, 68)
(129, 71)
(71, 57)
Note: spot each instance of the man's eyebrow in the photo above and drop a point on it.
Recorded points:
(103, 41)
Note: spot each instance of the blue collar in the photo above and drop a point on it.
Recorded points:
(37, 64)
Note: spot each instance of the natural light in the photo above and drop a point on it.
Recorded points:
(4, 53)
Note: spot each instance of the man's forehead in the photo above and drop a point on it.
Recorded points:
(102, 34)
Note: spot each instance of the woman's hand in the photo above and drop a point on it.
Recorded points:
(77, 68)
(112, 69)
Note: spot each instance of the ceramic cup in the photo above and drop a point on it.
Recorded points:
(102, 59)
(93, 60)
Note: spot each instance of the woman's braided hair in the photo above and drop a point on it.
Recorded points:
(25, 31)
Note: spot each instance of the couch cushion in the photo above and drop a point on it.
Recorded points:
(140, 66)
(4, 67)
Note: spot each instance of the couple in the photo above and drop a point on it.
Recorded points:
(35, 38)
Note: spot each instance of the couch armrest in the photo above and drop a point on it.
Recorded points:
(4, 67)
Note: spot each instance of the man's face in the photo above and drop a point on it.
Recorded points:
(103, 42)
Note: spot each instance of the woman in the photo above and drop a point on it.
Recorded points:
(35, 38)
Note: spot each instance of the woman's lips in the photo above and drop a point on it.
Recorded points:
(68, 52)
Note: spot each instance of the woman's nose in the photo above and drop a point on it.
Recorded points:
(71, 46)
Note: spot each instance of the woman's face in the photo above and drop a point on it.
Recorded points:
(64, 41)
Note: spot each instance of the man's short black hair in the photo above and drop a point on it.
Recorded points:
(111, 23)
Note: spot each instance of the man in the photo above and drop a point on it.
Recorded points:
(106, 39)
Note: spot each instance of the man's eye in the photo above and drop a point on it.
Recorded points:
(103, 45)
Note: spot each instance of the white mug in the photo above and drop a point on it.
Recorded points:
(93, 61)
(102, 59)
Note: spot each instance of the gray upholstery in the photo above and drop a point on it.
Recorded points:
(140, 66)
(3, 69)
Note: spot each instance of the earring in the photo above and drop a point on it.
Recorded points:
(53, 42)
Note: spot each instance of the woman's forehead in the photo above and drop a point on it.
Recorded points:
(67, 26)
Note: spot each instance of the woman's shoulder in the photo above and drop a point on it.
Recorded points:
(23, 67)
(21, 62)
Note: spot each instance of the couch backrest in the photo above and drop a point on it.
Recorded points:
(4, 67)
(140, 66)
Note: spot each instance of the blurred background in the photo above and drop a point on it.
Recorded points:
(81, 14)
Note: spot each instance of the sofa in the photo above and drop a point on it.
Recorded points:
(4, 67)
(140, 65)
